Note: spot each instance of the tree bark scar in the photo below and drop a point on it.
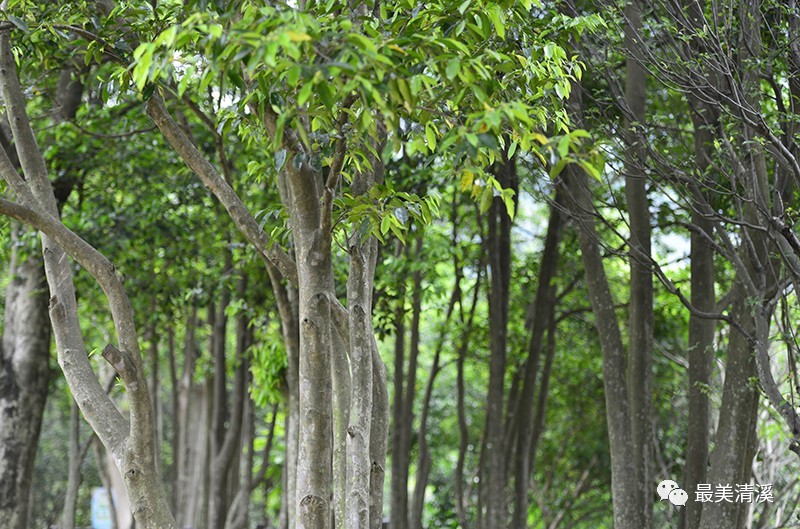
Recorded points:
(9, 390)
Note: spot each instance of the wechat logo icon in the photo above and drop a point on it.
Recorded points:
(669, 490)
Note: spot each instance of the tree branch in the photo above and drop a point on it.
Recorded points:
(216, 184)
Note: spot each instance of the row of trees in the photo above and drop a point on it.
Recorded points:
(295, 197)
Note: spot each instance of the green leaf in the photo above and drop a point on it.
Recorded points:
(453, 68)
(466, 180)
(563, 146)
(21, 24)
(408, 100)
(486, 198)
(590, 169)
(386, 223)
(512, 149)
(498, 20)
(324, 92)
(430, 135)
(305, 93)
(298, 36)
(280, 159)
(508, 200)
(363, 42)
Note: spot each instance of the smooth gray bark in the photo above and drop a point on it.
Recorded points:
(640, 312)
(624, 486)
(378, 438)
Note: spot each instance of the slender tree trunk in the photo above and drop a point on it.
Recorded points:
(463, 429)
(363, 254)
(227, 460)
(342, 393)
(544, 389)
(194, 439)
(493, 478)
(74, 476)
(286, 299)
(701, 350)
(176, 426)
(378, 438)
(701, 330)
(424, 457)
(406, 425)
(367, 404)
(220, 453)
(399, 485)
(541, 312)
(729, 462)
(155, 390)
(640, 338)
(625, 489)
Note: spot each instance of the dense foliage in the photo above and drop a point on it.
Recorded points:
(563, 214)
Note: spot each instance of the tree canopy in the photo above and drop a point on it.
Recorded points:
(466, 263)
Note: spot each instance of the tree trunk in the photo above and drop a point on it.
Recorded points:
(224, 457)
(193, 441)
(378, 438)
(729, 462)
(463, 429)
(25, 346)
(342, 394)
(172, 477)
(399, 485)
(625, 489)
(541, 311)
(286, 299)
(24, 374)
(424, 458)
(701, 330)
(74, 476)
(363, 254)
(219, 464)
(406, 424)
(640, 338)
(544, 389)
(493, 478)
(316, 295)
(155, 392)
